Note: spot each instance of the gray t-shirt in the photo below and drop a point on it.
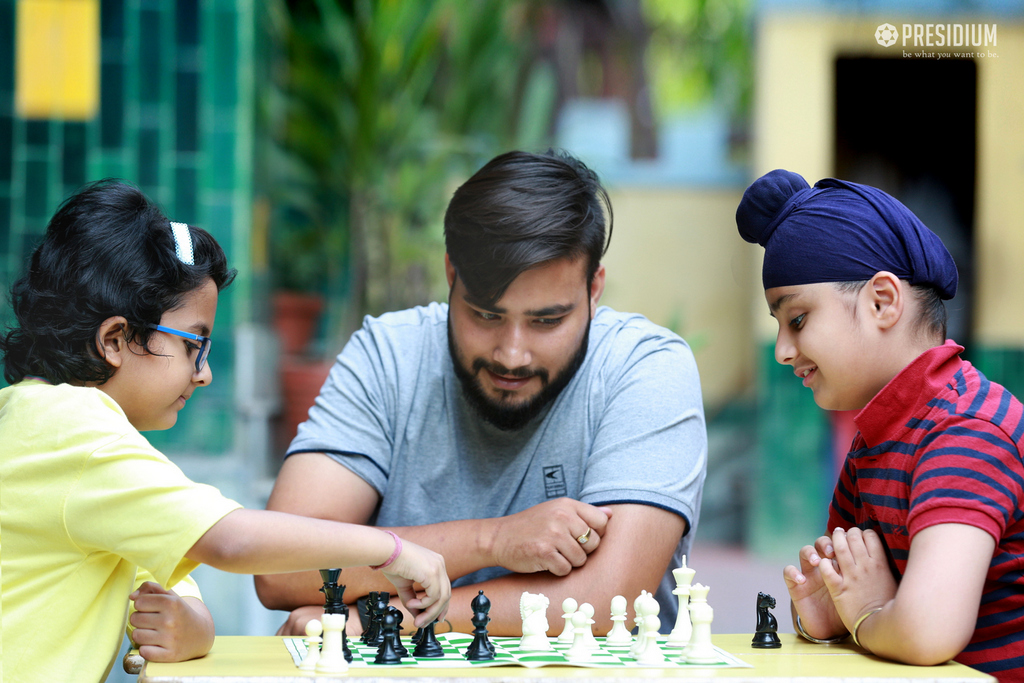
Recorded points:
(628, 428)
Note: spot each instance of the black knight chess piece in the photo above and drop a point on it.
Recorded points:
(481, 648)
(334, 603)
(766, 636)
(378, 610)
(427, 645)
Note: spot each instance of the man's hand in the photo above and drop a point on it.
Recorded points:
(859, 580)
(545, 536)
(169, 628)
(809, 595)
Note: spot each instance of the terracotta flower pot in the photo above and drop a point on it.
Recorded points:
(295, 319)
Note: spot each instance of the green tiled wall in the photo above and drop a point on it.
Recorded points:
(175, 118)
(792, 485)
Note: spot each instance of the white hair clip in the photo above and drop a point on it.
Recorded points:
(183, 243)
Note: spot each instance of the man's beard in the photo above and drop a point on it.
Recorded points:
(515, 416)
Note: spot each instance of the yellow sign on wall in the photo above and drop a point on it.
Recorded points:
(57, 73)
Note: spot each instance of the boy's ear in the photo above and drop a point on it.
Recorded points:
(449, 270)
(887, 298)
(110, 342)
(596, 290)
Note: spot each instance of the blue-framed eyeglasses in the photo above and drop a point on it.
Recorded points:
(204, 343)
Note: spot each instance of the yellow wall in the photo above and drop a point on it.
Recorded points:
(676, 257)
(793, 129)
(999, 217)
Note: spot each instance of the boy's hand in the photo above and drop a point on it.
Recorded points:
(861, 579)
(417, 565)
(809, 594)
(169, 628)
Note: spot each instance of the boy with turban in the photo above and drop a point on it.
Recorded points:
(924, 562)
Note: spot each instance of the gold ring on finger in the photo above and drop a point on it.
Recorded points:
(583, 538)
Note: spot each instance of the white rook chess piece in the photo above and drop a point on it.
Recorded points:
(568, 609)
(313, 630)
(619, 635)
(332, 657)
(681, 632)
(700, 649)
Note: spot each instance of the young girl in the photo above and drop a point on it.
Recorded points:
(114, 320)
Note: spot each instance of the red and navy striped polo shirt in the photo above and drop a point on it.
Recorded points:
(939, 444)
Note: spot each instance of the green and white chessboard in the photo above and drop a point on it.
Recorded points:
(507, 653)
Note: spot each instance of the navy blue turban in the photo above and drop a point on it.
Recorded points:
(839, 231)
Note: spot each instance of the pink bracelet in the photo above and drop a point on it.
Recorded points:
(394, 555)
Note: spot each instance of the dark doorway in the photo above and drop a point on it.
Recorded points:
(907, 126)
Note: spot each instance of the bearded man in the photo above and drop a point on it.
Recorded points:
(537, 441)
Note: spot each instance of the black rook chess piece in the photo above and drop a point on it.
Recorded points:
(334, 603)
(427, 645)
(481, 648)
(766, 636)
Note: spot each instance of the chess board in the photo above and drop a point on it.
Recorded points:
(507, 653)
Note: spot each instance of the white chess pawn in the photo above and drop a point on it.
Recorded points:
(619, 635)
(569, 607)
(651, 654)
(588, 610)
(700, 650)
(682, 630)
(332, 657)
(580, 649)
(647, 606)
(312, 640)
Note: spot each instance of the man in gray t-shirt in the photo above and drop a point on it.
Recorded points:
(537, 441)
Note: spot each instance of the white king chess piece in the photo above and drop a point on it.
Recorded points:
(700, 650)
(680, 635)
(533, 608)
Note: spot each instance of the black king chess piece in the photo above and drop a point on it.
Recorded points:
(481, 648)
(334, 602)
(427, 645)
(766, 636)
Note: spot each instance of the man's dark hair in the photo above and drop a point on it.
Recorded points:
(108, 251)
(522, 210)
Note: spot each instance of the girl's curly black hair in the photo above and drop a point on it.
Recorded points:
(108, 251)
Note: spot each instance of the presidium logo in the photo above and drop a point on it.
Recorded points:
(886, 35)
(938, 35)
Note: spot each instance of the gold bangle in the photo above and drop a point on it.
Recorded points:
(860, 621)
(820, 641)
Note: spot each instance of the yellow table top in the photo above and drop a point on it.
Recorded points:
(264, 659)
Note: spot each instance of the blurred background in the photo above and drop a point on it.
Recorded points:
(320, 140)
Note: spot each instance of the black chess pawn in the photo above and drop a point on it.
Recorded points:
(766, 635)
(427, 645)
(399, 646)
(334, 603)
(481, 648)
(387, 652)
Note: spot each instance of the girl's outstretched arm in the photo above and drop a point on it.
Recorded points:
(265, 542)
